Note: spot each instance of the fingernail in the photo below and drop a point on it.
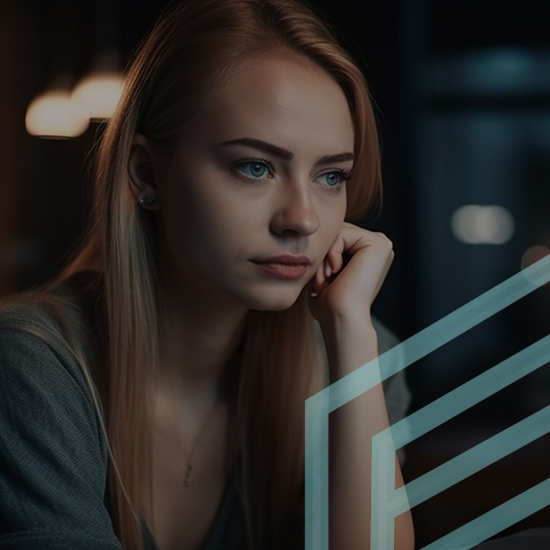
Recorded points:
(328, 271)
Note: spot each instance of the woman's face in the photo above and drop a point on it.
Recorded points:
(249, 180)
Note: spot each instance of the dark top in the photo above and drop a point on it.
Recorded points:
(54, 461)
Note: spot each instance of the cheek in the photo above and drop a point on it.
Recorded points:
(186, 204)
(332, 220)
(205, 230)
(185, 224)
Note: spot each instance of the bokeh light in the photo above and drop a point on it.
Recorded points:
(97, 95)
(475, 224)
(52, 114)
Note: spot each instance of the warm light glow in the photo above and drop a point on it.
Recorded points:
(531, 256)
(474, 224)
(53, 115)
(98, 94)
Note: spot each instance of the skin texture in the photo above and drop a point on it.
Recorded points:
(213, 221)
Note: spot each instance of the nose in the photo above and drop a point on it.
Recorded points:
(295, 212)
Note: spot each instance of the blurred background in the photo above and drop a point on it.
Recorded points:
(463, 93)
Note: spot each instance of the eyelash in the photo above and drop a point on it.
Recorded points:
(345, 175)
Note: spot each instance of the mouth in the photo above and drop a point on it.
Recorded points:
(286, 259)
(287, 268)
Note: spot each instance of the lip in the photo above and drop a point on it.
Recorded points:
(285, 271)
(286, 259)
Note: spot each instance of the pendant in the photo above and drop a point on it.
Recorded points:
(189, 478)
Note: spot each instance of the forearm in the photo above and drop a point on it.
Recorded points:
(351, 344)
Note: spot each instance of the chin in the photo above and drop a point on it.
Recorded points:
(277, 302)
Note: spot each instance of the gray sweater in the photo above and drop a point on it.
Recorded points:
(53, 459)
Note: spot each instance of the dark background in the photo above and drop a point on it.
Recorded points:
(463, 96)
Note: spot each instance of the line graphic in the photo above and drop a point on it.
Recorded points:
(387, 502)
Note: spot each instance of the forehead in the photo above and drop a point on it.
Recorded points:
(284, 100)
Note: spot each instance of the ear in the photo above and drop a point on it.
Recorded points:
(141, 173)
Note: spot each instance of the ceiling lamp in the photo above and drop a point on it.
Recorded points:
(97, 95)
(54, 115)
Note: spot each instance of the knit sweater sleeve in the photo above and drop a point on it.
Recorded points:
(53, 463)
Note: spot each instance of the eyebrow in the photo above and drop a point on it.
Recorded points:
(284, 153)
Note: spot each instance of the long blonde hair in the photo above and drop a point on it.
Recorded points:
(191, 51)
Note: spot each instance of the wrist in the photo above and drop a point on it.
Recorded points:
(347, 327)
(350, 342)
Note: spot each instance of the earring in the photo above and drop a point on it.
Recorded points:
(146, 201)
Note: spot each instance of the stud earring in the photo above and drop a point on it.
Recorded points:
(146, 201)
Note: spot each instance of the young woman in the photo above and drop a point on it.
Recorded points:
(152, 395)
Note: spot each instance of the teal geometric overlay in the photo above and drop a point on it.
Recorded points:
(387, 502)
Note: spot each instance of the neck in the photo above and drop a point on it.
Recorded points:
(199, 343)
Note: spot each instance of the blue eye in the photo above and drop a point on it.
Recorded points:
(336, 178)
(253, 169)
(256, 169)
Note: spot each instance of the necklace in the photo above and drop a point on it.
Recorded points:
(189, 479)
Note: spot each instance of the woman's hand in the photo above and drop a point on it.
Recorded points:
(359, 261)
(347, 290)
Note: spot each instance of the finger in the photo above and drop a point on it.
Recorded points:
(334, 255)
(319, 277)
(327, 267)
(312, 290)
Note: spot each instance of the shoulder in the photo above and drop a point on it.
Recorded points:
(58, 324)
(30, 332)
(386, 338)
(41, 307)
(53, 458)
(39, 369)
(38, 364)
(23, 312)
